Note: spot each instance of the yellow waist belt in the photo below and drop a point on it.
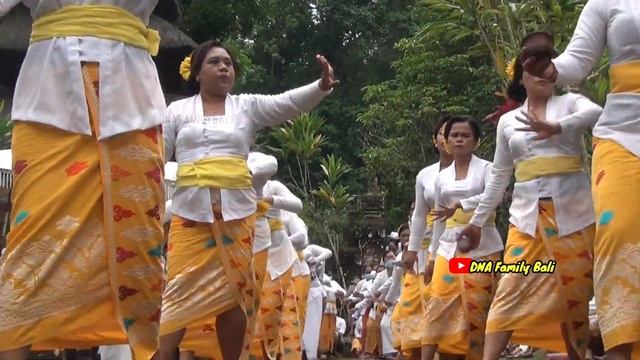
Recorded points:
(625, 77)
(224, 172)
(461, 218)
(430, 217)
(100, 21)
(300, 255)
(263, 207)
(527, 170)
(275, 225)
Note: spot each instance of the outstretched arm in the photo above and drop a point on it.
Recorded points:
(282, 198)
(271, 110)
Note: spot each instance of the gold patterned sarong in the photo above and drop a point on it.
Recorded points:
(457, 309)
(396, 327)
(301, 284)
(83, 263)
(534, 306)
(327, 333)
(202, 338)
(410, 314)
(373, 335)
(209, 273)
(277, 314)
(616, 195)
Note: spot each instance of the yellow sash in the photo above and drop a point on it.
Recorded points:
(263, 207)
(430, 217)
(275, 225)
(426, 241)
(300, 255)
(461, 218)
(224, 172)
(527, 170)
(100, 21)
(625, 77)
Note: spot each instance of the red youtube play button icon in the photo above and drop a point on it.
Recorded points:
(459, 265)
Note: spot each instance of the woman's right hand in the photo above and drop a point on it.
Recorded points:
(328, 80)
(469, 238)
(409, 258)
(537, 62)
(428, 272)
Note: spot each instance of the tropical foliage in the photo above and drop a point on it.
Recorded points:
(5, 128)
(320, 183)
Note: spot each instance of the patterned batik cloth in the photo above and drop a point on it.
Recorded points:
(83, 265)
(202, 338)
(396, 327)
(457, 309)
(535, 306)
(209, 272)
(410, 313)
(277, 330)
(327, 333)
(301, 284)
(616, 195)
(373, 339)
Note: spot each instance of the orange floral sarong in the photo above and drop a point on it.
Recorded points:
(83, 265)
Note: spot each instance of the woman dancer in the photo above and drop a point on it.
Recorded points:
(458, 304)
(552, 218)
(276, 327)
(209, 261)
(301, 274)
(616, 160)
(201, 338)
(410, 311)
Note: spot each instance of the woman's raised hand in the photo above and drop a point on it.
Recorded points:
(328, 80)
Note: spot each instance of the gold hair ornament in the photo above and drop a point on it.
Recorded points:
(185, 68)
(511, 69)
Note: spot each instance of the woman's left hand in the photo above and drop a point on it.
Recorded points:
(544, 129)
(328, 80)
(446, 213)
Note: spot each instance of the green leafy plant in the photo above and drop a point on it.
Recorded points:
(5, 128)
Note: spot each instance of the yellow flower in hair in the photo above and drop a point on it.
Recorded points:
(185, 68)
(511, 69)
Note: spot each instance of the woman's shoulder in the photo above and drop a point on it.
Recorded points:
(510, 116)
(180, 104)
(481, 162)
(429, 171)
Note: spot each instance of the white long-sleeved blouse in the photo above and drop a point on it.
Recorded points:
(190, 136)
(468, 192)
(50, 89)
(613, 24)
(262, 168)
(571, 193)
(424, 204)
(282, 255)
